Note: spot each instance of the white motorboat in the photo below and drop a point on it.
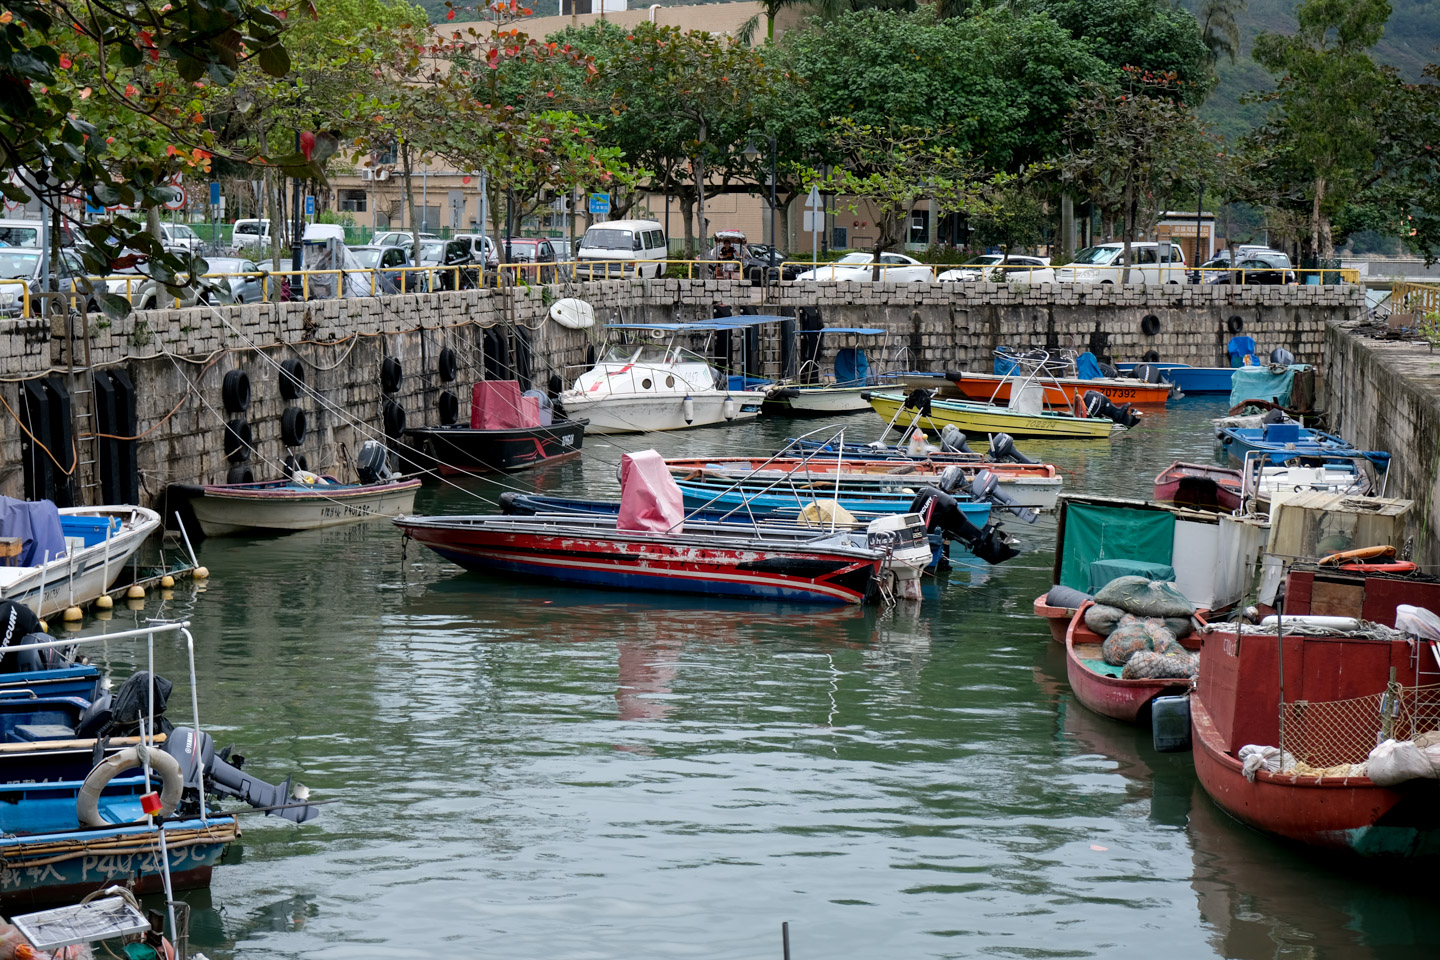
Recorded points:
(98, 542)
(844, 393)
(639, 387)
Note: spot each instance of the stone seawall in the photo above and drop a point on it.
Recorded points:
(177, 359)
(1385, 395)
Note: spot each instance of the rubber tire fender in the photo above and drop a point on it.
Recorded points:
(292, 426)
(1149, 324)
(238, 440)
(240, 473)
(391, 373)
(447, 366)
(292, 379)
(172, 784)
(235, 391)
(394, 417)
(449, 405)
(1235, 324)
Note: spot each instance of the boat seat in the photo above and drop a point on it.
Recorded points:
(10, 550)
(32, 732)
(1282, 433)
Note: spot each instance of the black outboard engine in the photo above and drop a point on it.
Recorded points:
(1099, 405)
(952, 478)
(1108, 369)
(919, 400)
(952, 440)
(1274, 415)
(986, 487)
(1147, 372)
(1282, 356)
(1002, 450)
(941, 512)
(371, 463)
(200, 763)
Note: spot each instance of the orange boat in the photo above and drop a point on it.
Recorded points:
(1062, 391)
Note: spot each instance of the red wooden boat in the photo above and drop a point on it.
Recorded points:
(1199, 486)
(1332, 692)
(1057, 617)
(1099, 686)
(1062, 392)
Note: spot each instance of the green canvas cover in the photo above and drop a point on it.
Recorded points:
(1258, 383)
(1094, 532)
(1103, 571)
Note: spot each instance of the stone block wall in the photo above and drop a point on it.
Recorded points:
(178, 358)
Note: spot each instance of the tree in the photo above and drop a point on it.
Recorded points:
(1406, 195)
(1009, 212)
(1153, 35)
(1323, 122)
(1219, 30)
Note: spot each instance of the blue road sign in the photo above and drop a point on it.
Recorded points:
(214, 193)
(309, 206)
(600, 203)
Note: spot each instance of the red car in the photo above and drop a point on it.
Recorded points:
(536, 252)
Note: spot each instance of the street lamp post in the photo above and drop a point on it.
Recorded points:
(751, 153)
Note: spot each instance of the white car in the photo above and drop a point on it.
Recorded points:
(399, 238)
(894, 268)
(1149, 263)
(996, 267)
(179, 238)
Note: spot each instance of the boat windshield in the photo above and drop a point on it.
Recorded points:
(635, 353)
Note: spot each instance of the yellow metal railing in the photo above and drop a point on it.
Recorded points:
(1408, 297)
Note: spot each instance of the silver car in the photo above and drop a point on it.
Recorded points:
(244, 281)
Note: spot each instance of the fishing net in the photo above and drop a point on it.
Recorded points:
(1329, 733)
(1146, 598)
(1132, 636)
(1153, 665)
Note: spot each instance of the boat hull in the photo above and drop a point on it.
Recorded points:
(1064, 392)
(1058, 618)
(225, 510)
(653, 562)
(457, 450)
(980, 420)
(698, 495)
(1350, 814)
(1199, 485)
(621, 413)
(1192, 380)
(65, 867)
(83, 575)
(825, 400)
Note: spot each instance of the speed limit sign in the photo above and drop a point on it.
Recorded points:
(177, 197)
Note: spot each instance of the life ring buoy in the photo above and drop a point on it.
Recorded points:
(292, 379)
(1394, 566)
(1361, 553)
(87, 803)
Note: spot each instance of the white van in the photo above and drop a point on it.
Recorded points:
(251, 235)
(20, 233)
(623, 240)
(1103, 263)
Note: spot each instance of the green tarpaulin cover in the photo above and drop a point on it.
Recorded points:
(1103, 571)
(1095, 532)
(1258, 383)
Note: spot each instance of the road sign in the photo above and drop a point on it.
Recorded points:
(813, 201)
(177, 197)
(600, 203)
(214, 193)
(309, 206)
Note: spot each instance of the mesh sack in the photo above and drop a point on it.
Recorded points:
(1149, 665)
(1145, 598)
(1180, 626)
(1102, 618)
(1129, 637)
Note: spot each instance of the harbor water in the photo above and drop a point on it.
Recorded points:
(524, 771)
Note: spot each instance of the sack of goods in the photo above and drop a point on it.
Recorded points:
(1145, 598)
(1147, 650)
(1395, 762)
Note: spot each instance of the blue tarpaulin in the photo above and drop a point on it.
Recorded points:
(37, 524)
(851, 367)
(1259, 383)
(1240, 349)
(1087, 367)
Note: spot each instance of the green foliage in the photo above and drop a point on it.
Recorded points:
(1151, 35)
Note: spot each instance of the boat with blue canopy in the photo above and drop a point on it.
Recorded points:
(1190, 380)
(841, 393)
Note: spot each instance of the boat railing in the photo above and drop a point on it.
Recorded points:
(147, 729)
(1036, 367)
(1252, 474)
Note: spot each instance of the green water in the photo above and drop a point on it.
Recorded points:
(530, 771)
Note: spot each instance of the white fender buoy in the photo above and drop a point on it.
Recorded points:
(728, 408)
(688, 407)
(200, 573)
(87, 804)
(136, 592)
(103, 602)
(72, 614)
(573, 313)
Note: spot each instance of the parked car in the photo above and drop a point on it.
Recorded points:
(998, 267)
(245, 282)
(1259, 269)
(146, 293)
(764, 262)
(461, 270)
(537, 252)
(20, 233)
(564, 256)
(625, 241)
(1150, 262)
(179, 238)
(483, 249)
(386, 264)
(250, 236)
(399, 238)
(894, 268)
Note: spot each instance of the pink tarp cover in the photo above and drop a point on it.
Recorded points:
(650, 500)
(498, 405)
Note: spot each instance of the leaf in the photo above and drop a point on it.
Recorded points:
(275, 60)
(115, 306)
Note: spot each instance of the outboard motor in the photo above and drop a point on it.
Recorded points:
(1282, 356)
(941, 512)
(952, 440)
(1273, 415)
(1109, 369)
(371, 463)
(1002, 450)
(1099, 405)
(199, 762)
(919, 400)
(952, 478)
(986, 487)
(1147, 372)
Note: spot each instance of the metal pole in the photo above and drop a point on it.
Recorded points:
(774, 242)
(1199, 215)
(785, 938)
(297, 238)
(424, 200)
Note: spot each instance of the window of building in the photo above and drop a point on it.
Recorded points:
(920, 226)
(353, 201)
(840, 237)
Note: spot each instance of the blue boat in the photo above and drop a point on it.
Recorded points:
(1282, 442)
(863, 504)
(1189, 379)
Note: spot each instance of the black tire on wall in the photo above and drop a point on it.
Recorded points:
(1151, 356)
(235, 391)
(449, 405)
(391, 374)
(240, 473)
(238, 440)
(292, 426)
(1235, 324)
(292, 379)
(1150, 325)
(294, 462)
(448, 366)
(394, 415)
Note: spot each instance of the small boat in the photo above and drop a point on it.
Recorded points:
(1035, 486)
(650, 545)
(1280, 442)
(1099, 685)
(305, 501)
(1199, 485)
(1190, 380)
(844, 392)
(78, 812)
(72, 555)
(1064, 392)
(780, 497)
(980, 419)
(1324, 720)
(508, 430)
(639, 387)
(1057, 617)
